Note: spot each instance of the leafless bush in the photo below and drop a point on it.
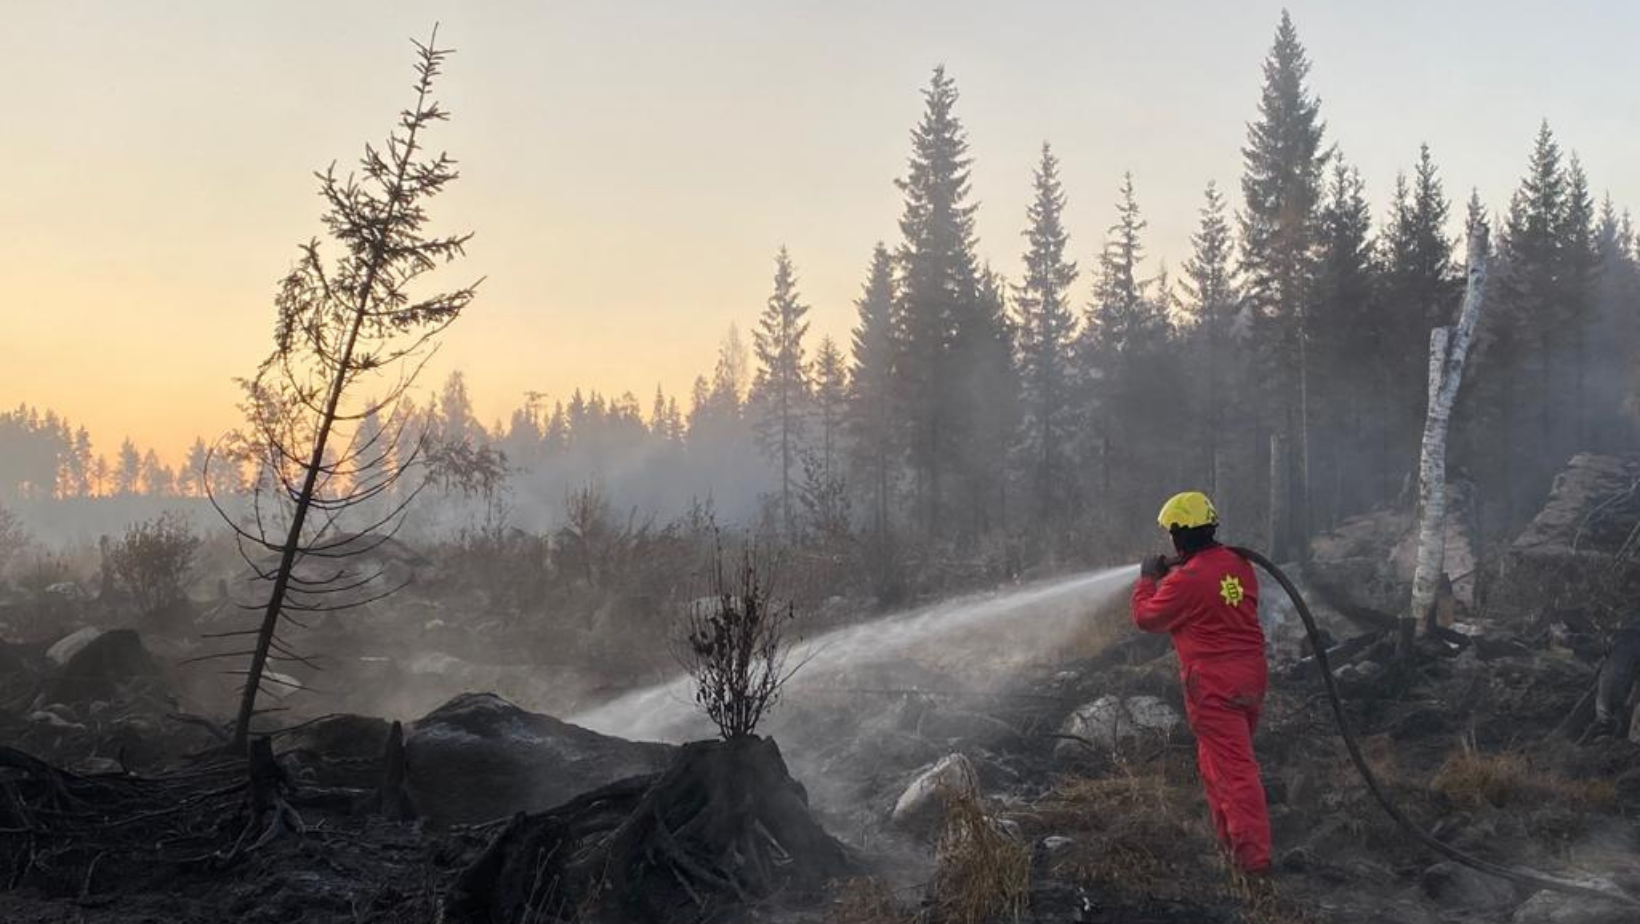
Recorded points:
(153, 560)
(735, 647)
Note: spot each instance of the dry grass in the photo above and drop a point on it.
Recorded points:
(1469, 777)
(984, 873)
(1146, 825)
(867, 901)
(1473, 778)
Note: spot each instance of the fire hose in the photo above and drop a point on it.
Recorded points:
(1513, 874)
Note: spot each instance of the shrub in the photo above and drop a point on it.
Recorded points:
(734, 646)
(153, 560)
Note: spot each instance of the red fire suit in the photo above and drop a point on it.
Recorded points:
(1209, 603)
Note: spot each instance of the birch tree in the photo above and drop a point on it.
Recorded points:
(1448, 348)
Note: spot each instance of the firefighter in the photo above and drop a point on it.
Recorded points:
(1207, 599)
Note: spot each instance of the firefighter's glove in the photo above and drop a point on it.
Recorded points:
(1154, 568)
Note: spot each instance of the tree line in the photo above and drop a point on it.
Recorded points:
(1282, 367)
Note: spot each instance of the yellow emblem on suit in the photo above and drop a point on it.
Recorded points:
(1230, 589)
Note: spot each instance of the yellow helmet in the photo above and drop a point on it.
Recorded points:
(1187, 511)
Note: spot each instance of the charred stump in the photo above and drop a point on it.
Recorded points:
(391, 798)
(725, 824)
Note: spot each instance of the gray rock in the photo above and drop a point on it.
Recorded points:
(1057, 844)
(479, 757)
(1590, 513)
(1110, 720)
(69, 645)
(921, 807)
(103, 668)
(1456, 886)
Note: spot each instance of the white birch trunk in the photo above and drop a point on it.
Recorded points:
(1447, 350)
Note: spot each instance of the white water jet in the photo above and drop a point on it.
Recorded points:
(1001, 627)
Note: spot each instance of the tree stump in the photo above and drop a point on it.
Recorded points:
(723, 825)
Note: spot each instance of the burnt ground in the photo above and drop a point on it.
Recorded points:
(135, 820)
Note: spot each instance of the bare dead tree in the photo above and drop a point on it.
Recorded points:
(1448, 348)
(334, 470)
(735, 646)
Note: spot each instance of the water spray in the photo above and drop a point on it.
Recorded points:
(1513, 874)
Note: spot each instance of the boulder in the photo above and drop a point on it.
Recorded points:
(1592, 511)
(479, 757)
(921, 807)
(1459, 887)
(1367, 561)
(1112, 720)
(69, 645)
(104, 667)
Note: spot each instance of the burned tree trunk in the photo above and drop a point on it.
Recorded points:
(1448, 348)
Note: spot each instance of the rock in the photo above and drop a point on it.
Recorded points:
(69, 645)
(102, 667)
(1297, 860)
(1368, 560)
(1111, 720)
(53, 720)
(1052, 846)
(1360, 678)
(90, 766)
(1591, 511)
(69, 591)
(1554, 908)
(921, 807)
(479, 757)
(1456, 886)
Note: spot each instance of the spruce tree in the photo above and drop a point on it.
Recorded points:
(985, 402)
(830, 398)
(872, 420)
(1282, 185)
(1422, 286)
(1614, 336)
(1047, 337)
(128, 471)
(1523, 338)
(1213, 304)
(780, 390)
(1130, 384)
(938, 290)
(1579, 264)
(1353, 342)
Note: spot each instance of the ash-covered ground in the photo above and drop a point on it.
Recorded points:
(1011, 755)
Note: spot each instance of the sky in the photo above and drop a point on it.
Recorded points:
(630, 169)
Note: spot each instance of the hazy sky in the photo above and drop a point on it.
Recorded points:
(631, 168)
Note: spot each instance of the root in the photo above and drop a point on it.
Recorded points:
(271, 815)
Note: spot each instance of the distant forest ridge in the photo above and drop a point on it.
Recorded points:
(1287, 353)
